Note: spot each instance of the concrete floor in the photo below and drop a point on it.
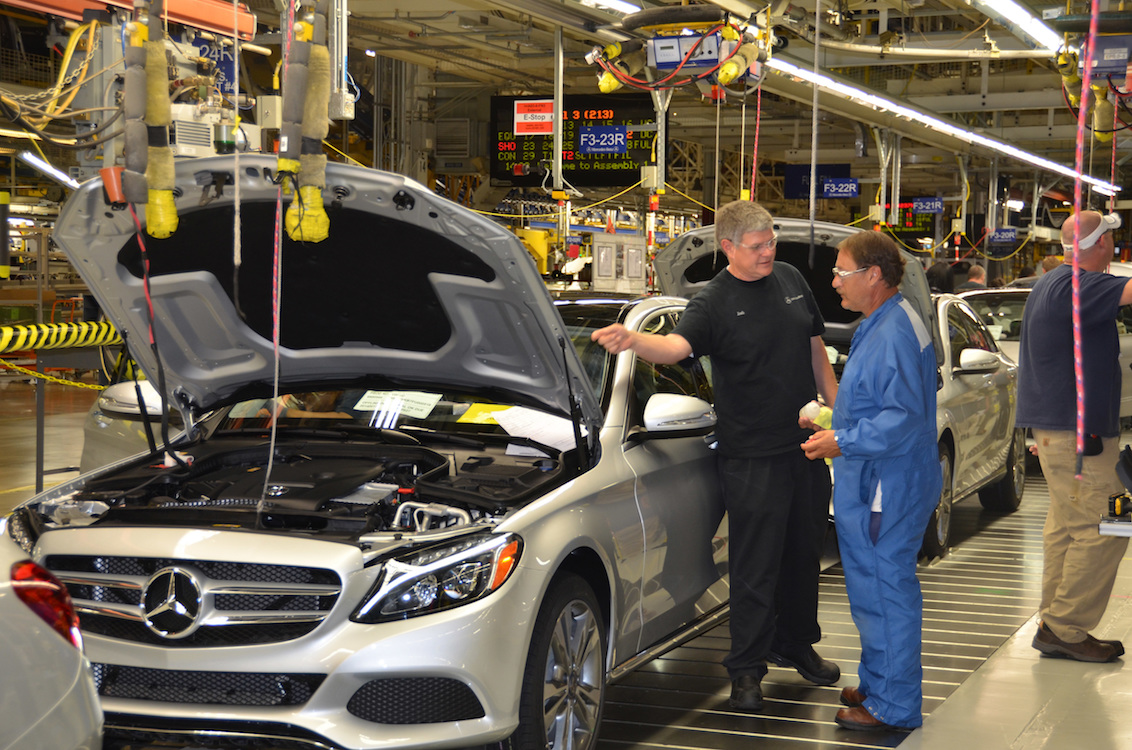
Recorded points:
(65, 408)
(1013, 701)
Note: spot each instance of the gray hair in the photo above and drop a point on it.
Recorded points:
(735, 219)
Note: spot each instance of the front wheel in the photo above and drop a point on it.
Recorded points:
(1005, 495)
(938, 533)
(564, 680)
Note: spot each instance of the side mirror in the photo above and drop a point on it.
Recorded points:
(977, 360)
(122, 398)
(673, 412)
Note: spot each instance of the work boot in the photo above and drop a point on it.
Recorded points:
(811, 666)
(746, 693)
(1090, 649)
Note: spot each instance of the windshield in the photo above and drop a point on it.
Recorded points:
(433, 409)
(1001, 311)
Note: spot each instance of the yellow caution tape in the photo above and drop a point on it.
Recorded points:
(57, 336)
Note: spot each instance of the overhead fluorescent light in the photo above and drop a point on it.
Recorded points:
(618, 5)
(1014, 16)
(1104, 190)
(59, 176)
(884, 104)
(1014, 205)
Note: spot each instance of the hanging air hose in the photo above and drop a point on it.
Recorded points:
(160, 211)
(306, 100)
(135, 151)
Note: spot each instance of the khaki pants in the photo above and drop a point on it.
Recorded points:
(1080, 565)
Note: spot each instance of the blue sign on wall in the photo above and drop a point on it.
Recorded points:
(927, 205)
(602, 139)
(796, 178)
(839, 187)
(1004, 235)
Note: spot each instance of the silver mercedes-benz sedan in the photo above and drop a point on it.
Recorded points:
(413, 505)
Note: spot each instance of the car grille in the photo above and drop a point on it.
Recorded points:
(231, 604)
(208, 688)
(415, 700)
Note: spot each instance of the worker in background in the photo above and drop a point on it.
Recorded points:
(976, 279)
(1049, 263)
(759, 323)
(1079, 565)
(887, 480)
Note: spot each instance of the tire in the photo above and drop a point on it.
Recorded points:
(938, 533)
(563, 689)
(1005, 495)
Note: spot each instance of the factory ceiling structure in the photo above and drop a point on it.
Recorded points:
(962, 99)
(972, 65)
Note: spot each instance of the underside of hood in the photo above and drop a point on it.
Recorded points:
(408, 287)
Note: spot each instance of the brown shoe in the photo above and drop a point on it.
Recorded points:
(1090, 649)
(851, 696)
(859, 718)
(1115, 644)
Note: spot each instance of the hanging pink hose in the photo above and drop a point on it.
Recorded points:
(755, 150)
(1078, 371)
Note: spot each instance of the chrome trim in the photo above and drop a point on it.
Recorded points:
(700, 626)
(216, 733)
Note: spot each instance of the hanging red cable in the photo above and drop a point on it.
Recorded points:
(1079, 159)
(755, 149)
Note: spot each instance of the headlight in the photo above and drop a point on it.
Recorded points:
(16, 526)
(440, 577)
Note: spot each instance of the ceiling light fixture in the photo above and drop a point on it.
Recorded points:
(883, 104)
(1013, 15)
(618, 5)
(59, 176)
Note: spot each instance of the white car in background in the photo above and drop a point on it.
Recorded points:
(47, 695)
(1001, 309)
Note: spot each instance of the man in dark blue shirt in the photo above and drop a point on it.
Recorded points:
(1079, 565)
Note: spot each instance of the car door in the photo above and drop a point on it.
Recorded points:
(1124, 328)
(678, 496)
(978, 404)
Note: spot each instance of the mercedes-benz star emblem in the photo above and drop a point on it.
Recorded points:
(172, 602)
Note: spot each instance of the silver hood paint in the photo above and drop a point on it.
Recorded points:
(409, 286)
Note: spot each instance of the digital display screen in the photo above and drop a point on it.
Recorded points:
(602, 143)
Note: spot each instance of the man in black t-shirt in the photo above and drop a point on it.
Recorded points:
(760, 324)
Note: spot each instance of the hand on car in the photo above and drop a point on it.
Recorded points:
(615, 338)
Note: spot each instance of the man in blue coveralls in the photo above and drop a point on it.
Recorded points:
(886, 480)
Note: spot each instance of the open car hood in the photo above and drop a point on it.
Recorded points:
(686, 264)
(409, 287)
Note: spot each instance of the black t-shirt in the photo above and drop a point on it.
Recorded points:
(757, 334)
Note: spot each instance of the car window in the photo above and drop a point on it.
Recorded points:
(1002, 314)
(1124, 320)
(965, 332)
(649, 378)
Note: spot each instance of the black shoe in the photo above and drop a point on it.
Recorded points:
(811, 666)
(746, 694)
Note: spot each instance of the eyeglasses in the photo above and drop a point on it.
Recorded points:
(759, 247)
(842, 274)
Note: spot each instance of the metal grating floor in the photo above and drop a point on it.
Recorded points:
(976, 598)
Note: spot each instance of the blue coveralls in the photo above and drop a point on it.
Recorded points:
(885, 423)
